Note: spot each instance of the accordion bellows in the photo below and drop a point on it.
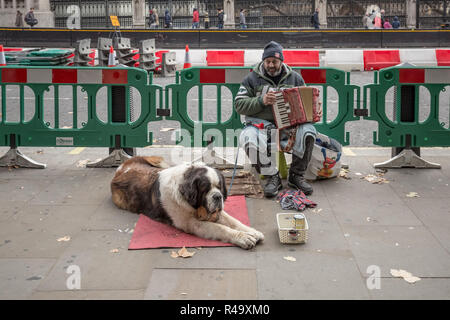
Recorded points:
(294, 106)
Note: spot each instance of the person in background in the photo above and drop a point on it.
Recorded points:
(195, 19)
(371, 21)
(377, 21)
(365, 21)
(387, 24)
(206, 20)
(382, 14)
(316, 22)
(220, 16)
(19, 20)
(396, 23)
(167, 19)
(30, 19)
(155, 14)
(242, 22)
(151, 19)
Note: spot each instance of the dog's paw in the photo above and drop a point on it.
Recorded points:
(245, 240)
(259, 236)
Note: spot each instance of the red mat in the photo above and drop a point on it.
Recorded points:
(149, 234)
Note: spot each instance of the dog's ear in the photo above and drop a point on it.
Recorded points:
(223, 186)
(189, 190)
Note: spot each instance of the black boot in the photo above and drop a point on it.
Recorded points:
(272, 186)
(298, 168)
(299, 182)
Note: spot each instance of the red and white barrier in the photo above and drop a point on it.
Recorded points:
(230, 58)
(301, 58)
(343, 59)
(64, 76)
(379, 59)
(443, 57)
(347, 60)
(424, 76)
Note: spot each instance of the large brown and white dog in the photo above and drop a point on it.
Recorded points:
(188, 196)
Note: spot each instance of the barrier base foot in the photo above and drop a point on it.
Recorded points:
(115, 159)
(407, 159)
(15, 158)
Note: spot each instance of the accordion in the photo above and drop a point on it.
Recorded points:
(295, 106)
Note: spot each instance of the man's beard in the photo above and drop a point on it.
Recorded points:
(274, 73)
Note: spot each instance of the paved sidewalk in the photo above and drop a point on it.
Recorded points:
(356, 225)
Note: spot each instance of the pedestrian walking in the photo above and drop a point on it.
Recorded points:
(377, 21)
(195, 19)
(30, 19)
(365, 21)
(155, 14)
(242, 22)
(206, 20)
(315, 19)
(167, 19)
(151, 19)
(220, 16)
(19, 20)
(382, 16)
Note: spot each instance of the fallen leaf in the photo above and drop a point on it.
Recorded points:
(375, 179)
(290, 259)
(413, 195)
(82, 163)
(407, 276)
(183, 252)
(66, 238)
(343, 174)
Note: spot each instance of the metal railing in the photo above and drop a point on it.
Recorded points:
(340, 14)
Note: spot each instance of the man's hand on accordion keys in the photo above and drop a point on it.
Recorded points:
(269, 99)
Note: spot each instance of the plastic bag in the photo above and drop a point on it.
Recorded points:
(325, 159)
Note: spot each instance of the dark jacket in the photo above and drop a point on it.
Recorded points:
(395, 23)
(316, 22)
(249, 100)
(167, 18)
(220, 16)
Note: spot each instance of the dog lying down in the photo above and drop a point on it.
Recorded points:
(188, 196)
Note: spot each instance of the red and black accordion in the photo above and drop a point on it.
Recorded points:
(295, 105)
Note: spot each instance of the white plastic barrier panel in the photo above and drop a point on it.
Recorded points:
(347, 60)
(419, 57)
(252, 57)
(197, 57)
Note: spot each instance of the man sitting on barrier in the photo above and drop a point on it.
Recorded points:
(254, 100)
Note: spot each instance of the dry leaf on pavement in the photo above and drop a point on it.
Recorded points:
(407, 276)
(413, 195)
(290, 259)
(66, 238)
(183, 252)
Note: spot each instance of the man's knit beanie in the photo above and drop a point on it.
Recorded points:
(273, 49)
